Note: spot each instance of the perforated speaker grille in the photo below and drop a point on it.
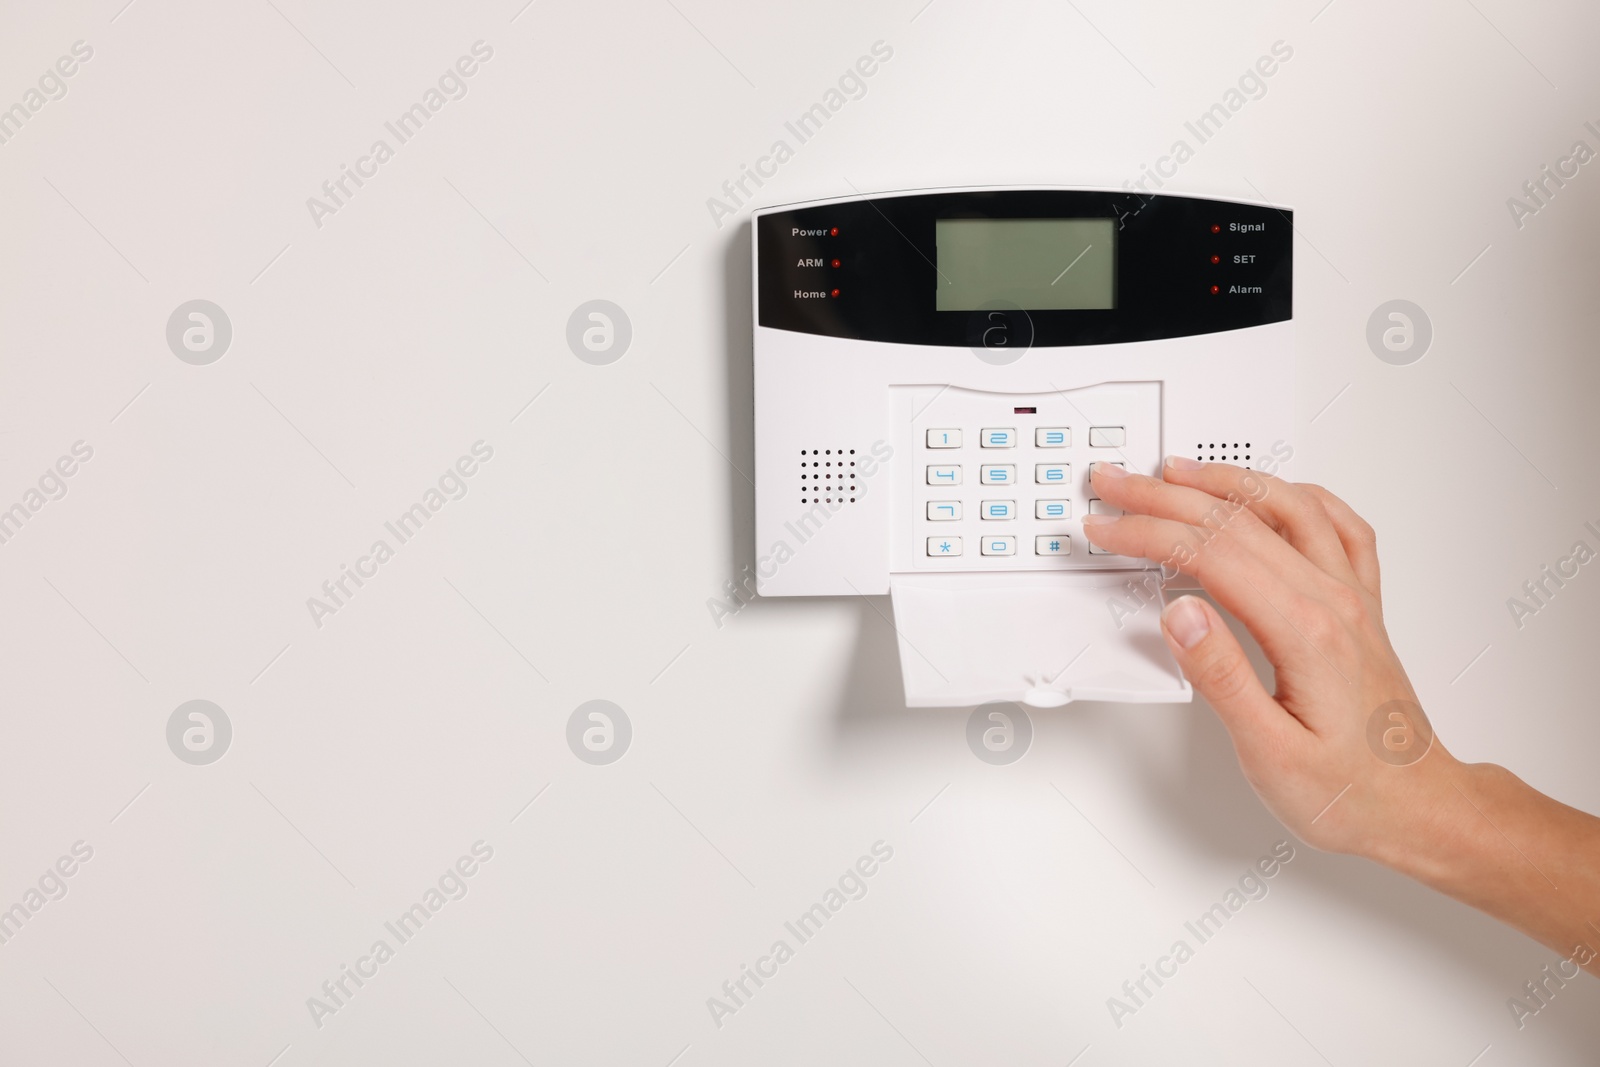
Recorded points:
(1223, 451)
(827, 475)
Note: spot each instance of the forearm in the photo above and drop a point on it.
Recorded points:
(1508, 850)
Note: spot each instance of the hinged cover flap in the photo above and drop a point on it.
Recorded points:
(1037, 639)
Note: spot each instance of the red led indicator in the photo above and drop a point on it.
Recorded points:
(1214, 229)
(836, 292)
(834, 232)
(836, 263)
(1216, 288)
(1216, 259)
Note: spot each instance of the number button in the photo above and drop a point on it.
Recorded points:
(944, 438)
(997, 438)
(1052, 509)
(944, 510)
(999, 546)
(1052, 437)
(1052, 473)
(944, 475)
(1006, 475)
(999, 509)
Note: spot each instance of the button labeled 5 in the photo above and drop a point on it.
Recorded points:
(997, 475)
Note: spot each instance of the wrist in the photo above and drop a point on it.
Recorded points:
(1434, 834)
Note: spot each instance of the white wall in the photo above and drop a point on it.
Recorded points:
(768, 754)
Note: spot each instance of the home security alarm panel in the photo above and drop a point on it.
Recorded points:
(936, 371)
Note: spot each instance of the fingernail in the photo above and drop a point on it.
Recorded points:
(1100, 520)
(1186, 621)
(1110, 470)
(1184, 463)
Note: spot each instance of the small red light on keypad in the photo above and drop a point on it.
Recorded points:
(836, 263)
(1216, 259)
(836, 292)
(1215, 228)
(834, 232)
(1216, 288)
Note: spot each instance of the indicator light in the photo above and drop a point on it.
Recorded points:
(1024, 411)
(1214, 289)
(834, 232)
(836, 292)
(1214, 228)
(836, 263)
(1216, 259)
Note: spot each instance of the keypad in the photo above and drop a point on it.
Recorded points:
(1047, 479)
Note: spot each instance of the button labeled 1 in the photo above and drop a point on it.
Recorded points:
(944, 438)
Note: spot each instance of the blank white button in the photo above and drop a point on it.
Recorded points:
(944, 546)
(999, 546)
(997, 475)
(1107, 437)
(1052, 545)
(998, 509)
(1052, 437)
(1052, 509)
(1100, 507)
(944, 475)
(944, 510)
(944, 438)
(1052, 473)
(1096, 550)
(997, 438)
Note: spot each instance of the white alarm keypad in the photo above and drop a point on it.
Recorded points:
(1009, 473)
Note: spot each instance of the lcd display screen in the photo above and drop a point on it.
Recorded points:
(1033, 264)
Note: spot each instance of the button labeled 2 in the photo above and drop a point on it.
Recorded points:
(997, 438)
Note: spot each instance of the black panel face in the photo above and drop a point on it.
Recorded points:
(866, 269)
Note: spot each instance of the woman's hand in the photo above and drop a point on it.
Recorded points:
(1342, 753)
(1300, 569)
